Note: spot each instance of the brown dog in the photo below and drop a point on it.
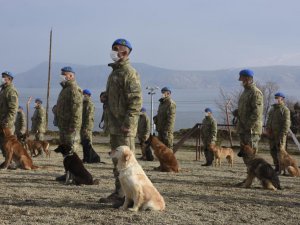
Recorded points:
(259, 168)
(15, 151)
(221, 153)
(166, 157)
(286, 162)
(36, 147)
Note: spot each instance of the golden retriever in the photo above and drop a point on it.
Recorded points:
(221, 153)
(166, 157)
(15, 151)
(134, 182)
(286, 162)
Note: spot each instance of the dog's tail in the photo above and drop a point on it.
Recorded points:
(293, 171)
(33, 167)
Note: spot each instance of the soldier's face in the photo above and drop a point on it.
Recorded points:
(165, 94)
(68, 76)
(6, 79)
(245, 80)
(122, 50)
(279, 100)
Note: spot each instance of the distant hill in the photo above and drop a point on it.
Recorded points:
(96, 76)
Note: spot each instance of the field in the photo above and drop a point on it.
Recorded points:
(196, 195)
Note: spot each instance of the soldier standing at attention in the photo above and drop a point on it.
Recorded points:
(278, 125)
(165, 118)
(143, 131)
(8, 104)
(208, 135)
(250, 111)
(38, 126)
(69, 111)
(20, 124)
(124, 102)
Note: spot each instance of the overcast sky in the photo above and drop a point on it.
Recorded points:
(175, 34)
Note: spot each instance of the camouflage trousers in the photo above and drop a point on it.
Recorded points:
(86, 134)
(166, 138)
(209, 155)
(251, 140)
(39, 136)
(70, 138)
(116, 141)
(276, 143)
(142, 141)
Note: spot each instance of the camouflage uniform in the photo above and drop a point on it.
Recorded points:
(209, 136)
(69, 113)
(38, 126)
(8, 108)
(20, 124)
(278, 124)
(143, 131)
(250, 112)
(165, 120)
(124, 104)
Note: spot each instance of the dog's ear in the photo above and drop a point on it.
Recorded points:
(126, 155)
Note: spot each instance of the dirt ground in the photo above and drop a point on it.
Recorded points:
(196, 195)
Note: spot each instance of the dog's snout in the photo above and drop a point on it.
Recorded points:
(240, 154)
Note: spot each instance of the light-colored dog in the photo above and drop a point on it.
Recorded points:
(135, 184)
(286, 162)
(36, 147)
(221, 153)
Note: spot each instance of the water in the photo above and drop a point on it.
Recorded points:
(190, 103)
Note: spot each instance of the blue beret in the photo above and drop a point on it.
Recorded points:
(87, 92)
(67, 69)
(38, 100)
(143, 109)
(123, 42)
(7, 73)
(279, 94)
(208, 110)
(20, 107)
(164, 89)
(247, 73)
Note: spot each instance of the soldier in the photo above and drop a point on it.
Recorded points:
(38, 126)
(69, 111)
(278, 124)
(209, 135)
(104, 118)
(250, 111)
(143, 131)
(20, 124)
(165, 118)
(8, 104)
(124, 102)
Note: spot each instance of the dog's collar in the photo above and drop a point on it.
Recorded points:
(70, 154)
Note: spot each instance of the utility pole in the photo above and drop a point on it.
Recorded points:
(49, 78)
(151, 93)
(227, 120)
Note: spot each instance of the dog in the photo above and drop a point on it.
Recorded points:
(74, 167)
(259, 168)
(134, 182)
(286, 162)
(220, 153)
(166, 157)
(36, 147)
(14, 151)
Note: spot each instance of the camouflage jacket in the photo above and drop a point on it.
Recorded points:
(20, 123)
(69, 107)
(88, 110)
(166, 114)
(250, 111)
(38, 120)
(124, 96)
(209, 129)
(279, 121)
(143, 126)
(8, 104)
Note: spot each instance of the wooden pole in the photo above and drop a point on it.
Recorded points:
(49, 78)
(227, 120)
(27, 115)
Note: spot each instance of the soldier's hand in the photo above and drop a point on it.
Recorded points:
(4, 123)
(72, 130)
(125, 129)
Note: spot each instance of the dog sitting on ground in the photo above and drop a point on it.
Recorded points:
(259, 168)
(134, 182)
(166, 157)
(14, 151)
(36, 147)
(286, 162)
(221, 153)
(74, 167)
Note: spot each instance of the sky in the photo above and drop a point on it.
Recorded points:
(173, 34)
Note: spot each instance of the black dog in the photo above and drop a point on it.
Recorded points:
(89, 154)
(74, 167)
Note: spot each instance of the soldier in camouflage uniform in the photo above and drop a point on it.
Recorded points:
(278, 124)
(143, 131)
(250, 111)
(208, 135)
(165, 118)
(8, 104)
(69, 110)
(20, 124)
(38, 125)
(124, 102)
